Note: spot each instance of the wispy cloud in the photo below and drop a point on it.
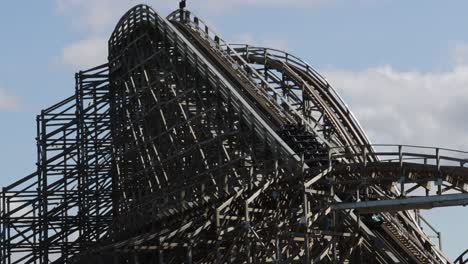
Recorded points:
(99, 14)
(8, 102)
(459, 53)
(95, 16)
(94, 19)
(408, 107)
(85, 53)
(394, 106)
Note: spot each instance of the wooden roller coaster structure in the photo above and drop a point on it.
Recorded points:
(183, 148)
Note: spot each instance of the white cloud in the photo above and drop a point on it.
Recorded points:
(422, 108)
(459, 53)
(94, 16)
(408, 107)
(99, 14)
(394, 106)
(96, 19)
(85, 53)
(8, 102)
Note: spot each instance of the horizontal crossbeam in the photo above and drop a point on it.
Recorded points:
(409, 203)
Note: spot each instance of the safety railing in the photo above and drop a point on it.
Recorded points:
(264, 87)
(409, 153)
(249, 115)
(463, 258)
(298, 63)
(224, 50)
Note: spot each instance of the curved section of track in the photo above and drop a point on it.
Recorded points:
(206, 152)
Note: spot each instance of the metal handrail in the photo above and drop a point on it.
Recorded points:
(461, 259)
(410, 152)
(230, 52)
(126, 25)
(304, 66)
(431, 227)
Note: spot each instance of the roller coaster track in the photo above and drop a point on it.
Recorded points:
(186, 149)
(463, 258)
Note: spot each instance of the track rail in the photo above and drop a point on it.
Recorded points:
(184, 148)
(462, 259)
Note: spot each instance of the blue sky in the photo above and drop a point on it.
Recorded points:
(402, 66)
